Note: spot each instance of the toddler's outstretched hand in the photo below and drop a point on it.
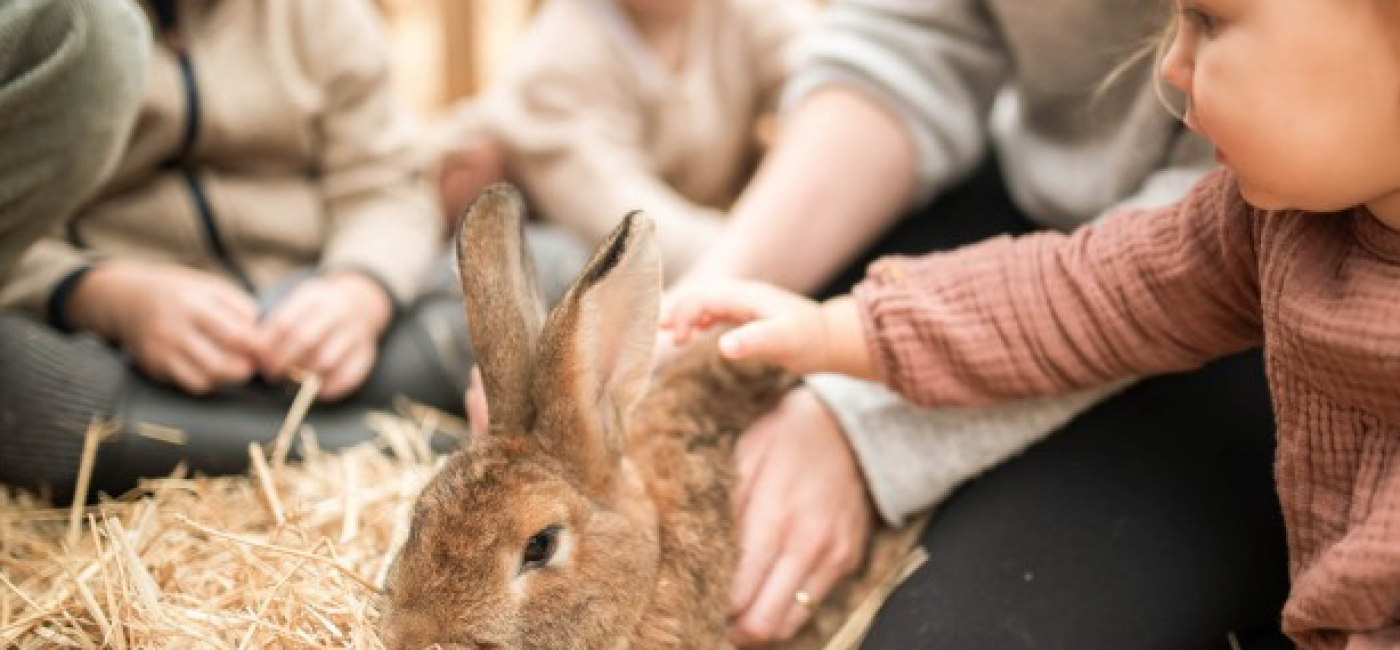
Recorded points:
(775, 326)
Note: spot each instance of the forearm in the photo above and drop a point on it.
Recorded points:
(841, 172)
(622, 181)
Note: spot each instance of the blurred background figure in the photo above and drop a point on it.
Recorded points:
(266, 220)
(609, 106)
(70, 78)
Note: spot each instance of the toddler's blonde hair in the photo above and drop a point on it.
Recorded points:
(1154, 48)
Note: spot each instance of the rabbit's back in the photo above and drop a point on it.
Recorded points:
(682, 442)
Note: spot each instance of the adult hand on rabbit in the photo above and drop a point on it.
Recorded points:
(777, 326)
(329, 326)
(804, 517)
(179, 324)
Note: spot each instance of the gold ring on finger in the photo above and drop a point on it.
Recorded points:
(804, 598)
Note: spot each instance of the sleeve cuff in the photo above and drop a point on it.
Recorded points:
(57, 305)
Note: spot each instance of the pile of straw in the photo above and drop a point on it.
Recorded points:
(286, 557)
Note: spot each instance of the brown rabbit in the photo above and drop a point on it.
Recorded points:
(595, 513)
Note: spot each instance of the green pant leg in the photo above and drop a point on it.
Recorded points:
(71, 78)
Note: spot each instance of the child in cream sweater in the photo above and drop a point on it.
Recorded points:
(611, 106)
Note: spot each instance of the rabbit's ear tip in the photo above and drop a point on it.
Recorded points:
(639, 223)
(501, 188)
(496, 195)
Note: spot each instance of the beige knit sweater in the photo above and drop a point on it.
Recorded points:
(1166, 291)
(292, 137)
(595, 126)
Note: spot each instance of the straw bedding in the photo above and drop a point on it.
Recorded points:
(285, 557)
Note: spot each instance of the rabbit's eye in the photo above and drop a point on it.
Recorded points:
(540, 548)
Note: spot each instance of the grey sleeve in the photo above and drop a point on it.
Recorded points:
(935, 64)
(73, 73)
(914, 457)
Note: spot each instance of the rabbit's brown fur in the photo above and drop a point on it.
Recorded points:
(635, 489)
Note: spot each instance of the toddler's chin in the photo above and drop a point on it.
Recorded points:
(1262, 199)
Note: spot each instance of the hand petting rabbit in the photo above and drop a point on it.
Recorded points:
(594, 512)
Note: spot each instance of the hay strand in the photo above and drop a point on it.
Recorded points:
(95, 432)
(310, 386)
(168, 435)
(263, 474)
(858, 623)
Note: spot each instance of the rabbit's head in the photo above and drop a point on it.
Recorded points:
(539, 534)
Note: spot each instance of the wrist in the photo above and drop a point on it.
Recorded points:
(90, 304)
(846, 351)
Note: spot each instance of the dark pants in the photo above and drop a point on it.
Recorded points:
(1148, 522)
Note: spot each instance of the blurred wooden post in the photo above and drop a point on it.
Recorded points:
(459, 48)
(444, 50)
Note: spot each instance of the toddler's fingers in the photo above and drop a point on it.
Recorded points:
(683, 318)
(763, 340)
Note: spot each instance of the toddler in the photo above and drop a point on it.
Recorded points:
(1293, 245)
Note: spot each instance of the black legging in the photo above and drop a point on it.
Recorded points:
(1149, 522)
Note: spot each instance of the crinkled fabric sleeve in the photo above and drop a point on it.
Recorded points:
(1049, 313)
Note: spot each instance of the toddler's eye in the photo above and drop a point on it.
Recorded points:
(1202, 20)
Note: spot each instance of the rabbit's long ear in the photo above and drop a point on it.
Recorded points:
(504, 309)
(596, 352)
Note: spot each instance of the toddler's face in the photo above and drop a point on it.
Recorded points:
(1300, 97)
